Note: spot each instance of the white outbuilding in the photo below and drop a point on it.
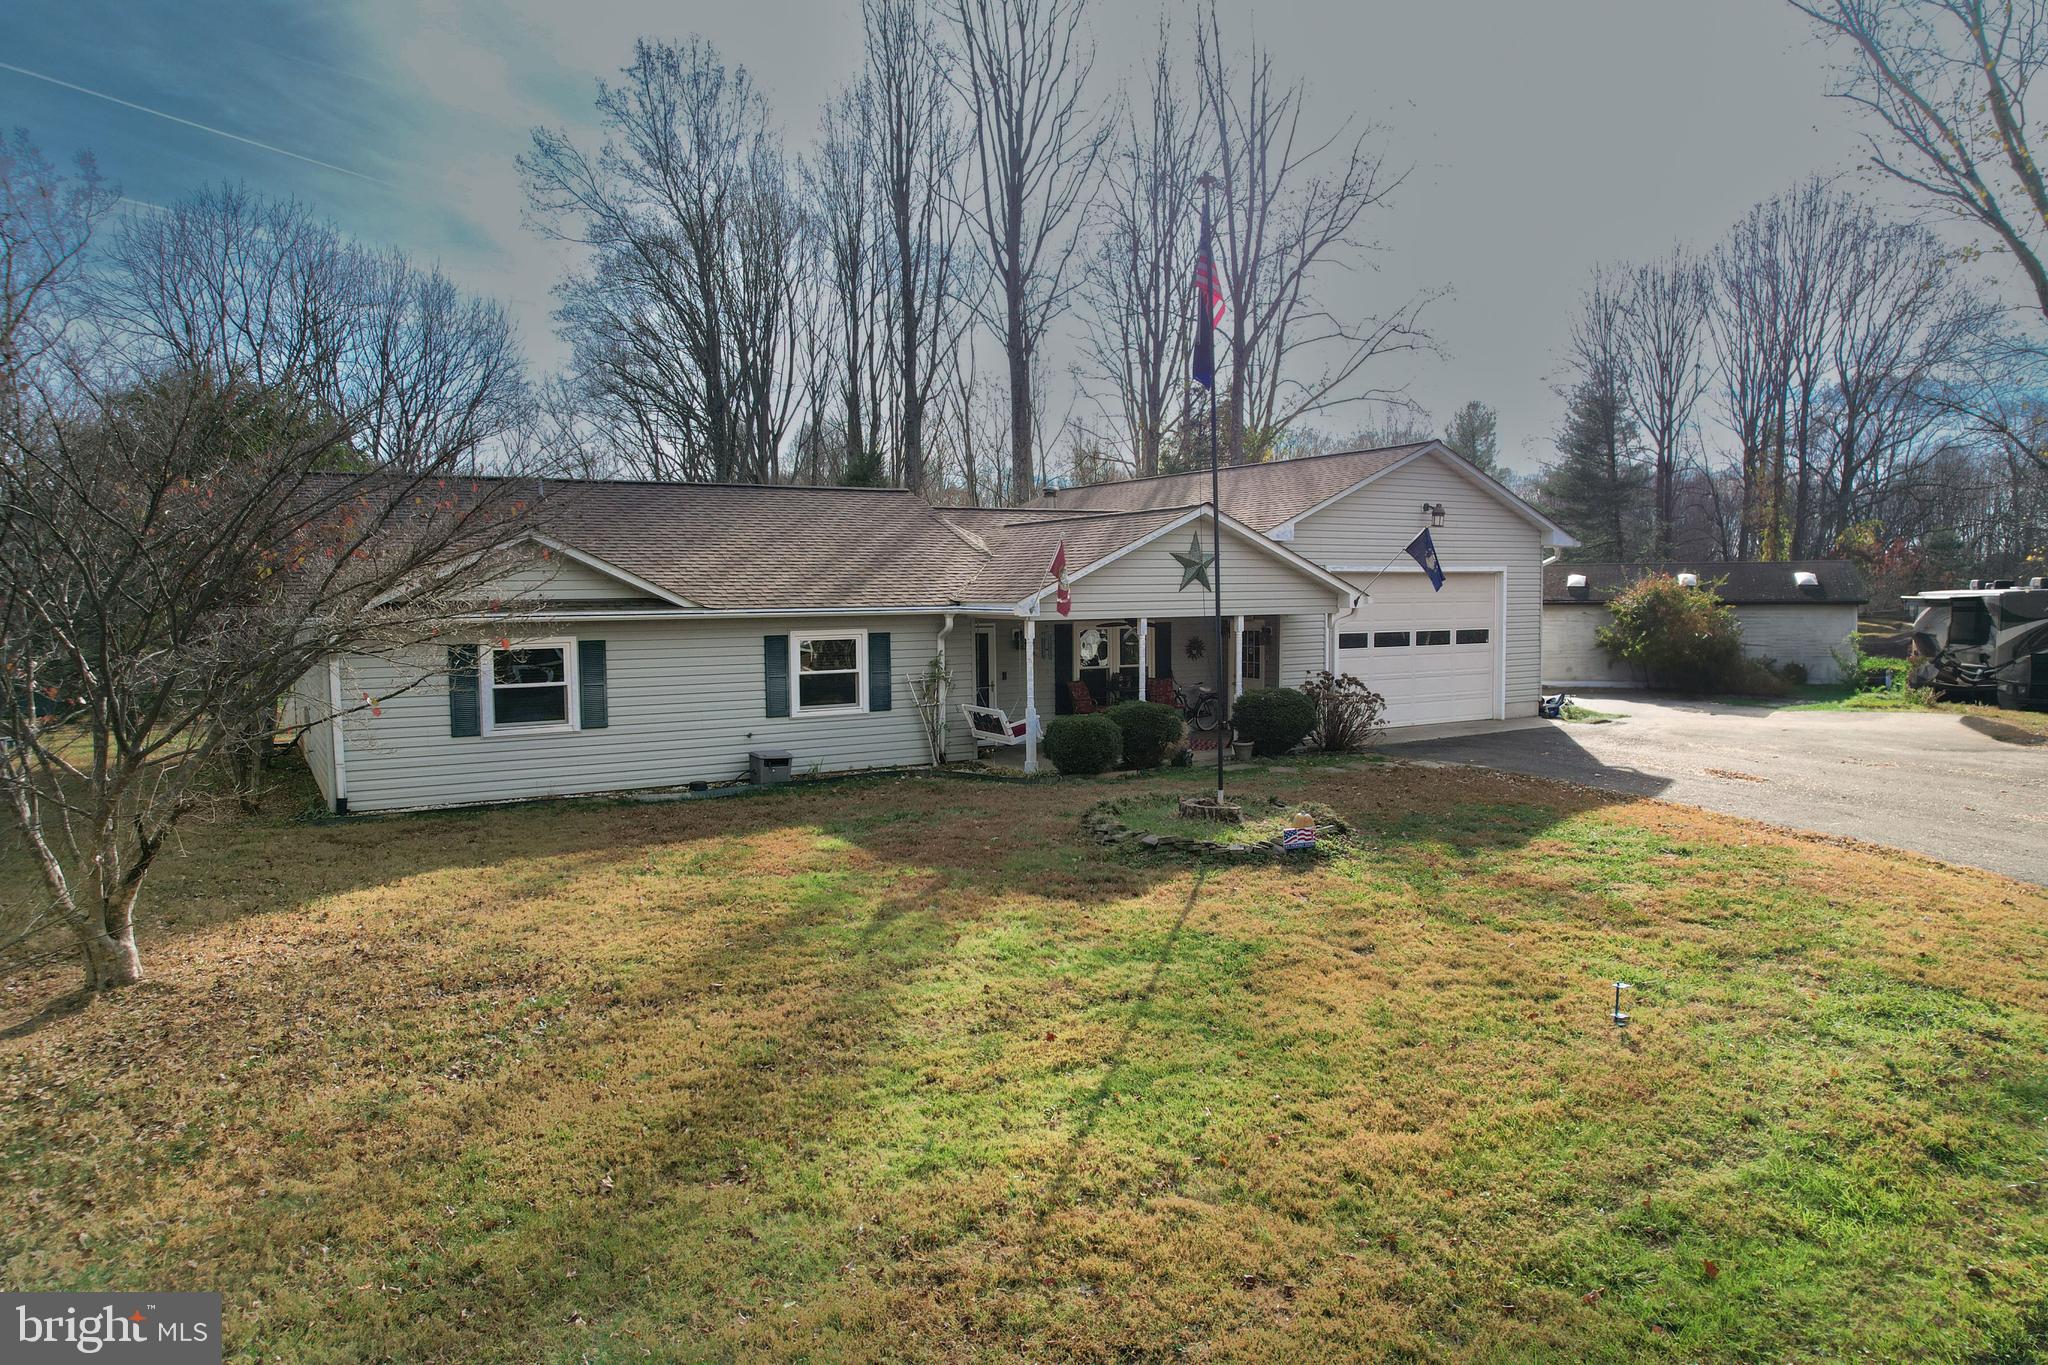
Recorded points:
(1803, 613)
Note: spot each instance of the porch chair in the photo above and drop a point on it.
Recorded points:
(1084, 700)
(1161, 690)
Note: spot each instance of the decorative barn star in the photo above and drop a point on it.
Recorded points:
(1194, 565)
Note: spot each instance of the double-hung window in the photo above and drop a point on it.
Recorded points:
(530, 686)
(831, 670)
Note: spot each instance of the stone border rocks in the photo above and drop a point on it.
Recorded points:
(1103, 823)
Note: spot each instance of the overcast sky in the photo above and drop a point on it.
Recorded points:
(1545, 137)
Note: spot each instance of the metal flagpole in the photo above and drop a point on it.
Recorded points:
(1216, 545)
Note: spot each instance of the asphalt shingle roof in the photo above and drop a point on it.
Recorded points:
(780, 547)
(746, 547)
(1747, 583)
(1260, 495)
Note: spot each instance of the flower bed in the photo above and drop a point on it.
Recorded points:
(1154, 823)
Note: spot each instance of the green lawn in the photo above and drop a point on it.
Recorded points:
(909, 1069)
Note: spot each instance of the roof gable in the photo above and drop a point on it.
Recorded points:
(1276, 495)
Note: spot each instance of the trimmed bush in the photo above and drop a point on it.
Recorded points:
(1349, 715)
(1274, 720)
(1082, 746)
(1678, 637)
(1151, 731)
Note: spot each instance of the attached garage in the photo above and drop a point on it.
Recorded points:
(1435, 656)
(1800, 612)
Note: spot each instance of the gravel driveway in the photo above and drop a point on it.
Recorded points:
(1934, 784)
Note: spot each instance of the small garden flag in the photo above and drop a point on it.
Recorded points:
(1062, 599)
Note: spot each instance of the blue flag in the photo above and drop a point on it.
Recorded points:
(1424, 551)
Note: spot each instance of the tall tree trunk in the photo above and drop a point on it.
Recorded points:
(1023, 478)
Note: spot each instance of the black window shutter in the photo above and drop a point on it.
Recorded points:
(775, 672)
(1270, 653)
(592, 703)
(1162, 667)
(464, 719)
(879, 696)
(1062, 669)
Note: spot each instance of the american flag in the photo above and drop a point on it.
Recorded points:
(1209, 297)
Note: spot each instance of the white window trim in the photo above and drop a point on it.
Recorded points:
(797, 639)
(487, 671)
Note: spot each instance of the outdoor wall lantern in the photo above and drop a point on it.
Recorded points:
(1435, 512)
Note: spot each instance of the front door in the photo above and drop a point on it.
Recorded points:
(984, 668)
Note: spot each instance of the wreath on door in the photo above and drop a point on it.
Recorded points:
(1194, 647)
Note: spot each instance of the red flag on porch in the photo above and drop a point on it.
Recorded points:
(1062, 600)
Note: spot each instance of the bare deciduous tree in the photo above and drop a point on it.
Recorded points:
(1663, 335)
(1291, 208)
(918, 145)
(1949, 80)
(1036, 146)
(844, 195)
(264, 463)
(684, 322)
(1139, 326)
(47, 220)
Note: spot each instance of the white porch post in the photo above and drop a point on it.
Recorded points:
(1144, 658)
(1030, 694)
(1237, 657)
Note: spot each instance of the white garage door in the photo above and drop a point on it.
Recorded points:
(1435, 656)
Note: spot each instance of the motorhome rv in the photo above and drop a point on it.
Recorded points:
(1986, 642)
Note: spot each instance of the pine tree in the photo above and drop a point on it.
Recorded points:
(1474, 432)
(1598, 488)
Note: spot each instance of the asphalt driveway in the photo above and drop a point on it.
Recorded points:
(1935, 784)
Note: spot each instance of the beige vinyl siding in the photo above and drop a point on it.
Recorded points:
(1374, 524)
(555, 577)
(1301, 648)
(1806, 634)
(310, 704)
(686, 701)
(1146, 582)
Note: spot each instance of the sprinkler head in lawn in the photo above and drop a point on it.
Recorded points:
(1620, 1019)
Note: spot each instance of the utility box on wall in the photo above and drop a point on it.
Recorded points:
(770, 765)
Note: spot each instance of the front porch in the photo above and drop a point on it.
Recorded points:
(1034, 669)
(1134, 608)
